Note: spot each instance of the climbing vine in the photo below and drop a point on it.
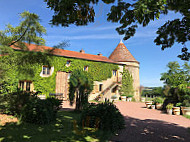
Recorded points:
(31, 67)
(127, 83)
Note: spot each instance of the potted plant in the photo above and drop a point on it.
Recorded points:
(114, 97)
(186, 107)
(176, 109)
(123, 97)
(158, 102)
(148, 102)
(153, 106)
(169, 108)
(129, 98)
(143, 99)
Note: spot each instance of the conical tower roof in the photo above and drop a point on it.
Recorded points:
(122, 54)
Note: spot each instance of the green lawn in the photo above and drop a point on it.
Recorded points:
(62, 130)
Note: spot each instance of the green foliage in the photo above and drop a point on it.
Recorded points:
(127, 83)
(130, 14)
(110, 119)
(13, 103)
(178, 104)
(129, 96)
(59, 130)
(38, 111)
(80, 86)
(28, 31)
(169, 106)
(158, 100)
(177, 82)
(29, 108)
(186, 103)
(31, 67)
(154, 91)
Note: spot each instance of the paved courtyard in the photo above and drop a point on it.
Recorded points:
(147, 125)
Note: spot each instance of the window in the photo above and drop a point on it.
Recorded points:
(85, 68)
(21, 85)
(100, 87)
(28, 86)
(25, 85)
(46, 70)
(114, 72)
(68, 63)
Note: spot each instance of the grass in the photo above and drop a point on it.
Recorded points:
(187, 116)
(62, 130)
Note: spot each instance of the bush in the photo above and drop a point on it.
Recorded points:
(186, 103)
(105, 114)
(29, 108)
(129, 96)
(13, 103)
(158, 100)
(40, 111)
(169, 106)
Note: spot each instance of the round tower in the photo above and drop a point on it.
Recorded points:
(122, 55)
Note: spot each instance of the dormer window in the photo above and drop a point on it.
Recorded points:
(68, 63)
(46, 70)
(85, 68)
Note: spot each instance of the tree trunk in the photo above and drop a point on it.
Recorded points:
(77, 99)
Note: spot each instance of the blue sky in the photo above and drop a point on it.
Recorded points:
(100, 37)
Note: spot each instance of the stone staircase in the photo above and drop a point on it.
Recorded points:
(99, 97)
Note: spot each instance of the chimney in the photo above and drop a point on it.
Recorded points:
(82, 51)
(99, 54)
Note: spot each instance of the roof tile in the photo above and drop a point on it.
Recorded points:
(67, 53)
(122, 54)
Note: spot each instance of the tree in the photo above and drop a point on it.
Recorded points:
(127, 83)
(130, 15)
(176, 76)
(80, 86)
(29, 31)
(177, 82)
(154, 91)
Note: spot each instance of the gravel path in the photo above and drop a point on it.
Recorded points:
(146, 125)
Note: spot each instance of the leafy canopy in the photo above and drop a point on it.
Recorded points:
(177, 76)
(130, 15)
(80, 86)
(28, 31)
(177, 80)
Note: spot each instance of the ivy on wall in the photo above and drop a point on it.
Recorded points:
(31, 67)
(127, 84)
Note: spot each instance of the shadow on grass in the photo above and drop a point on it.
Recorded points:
(60, 130)
(151, 130)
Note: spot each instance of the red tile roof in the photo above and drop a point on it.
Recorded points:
(122, 54)
(67, 53)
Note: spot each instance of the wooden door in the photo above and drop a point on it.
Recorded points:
(62, 84)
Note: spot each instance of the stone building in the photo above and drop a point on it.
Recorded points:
(104, 89)
(122, 55)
